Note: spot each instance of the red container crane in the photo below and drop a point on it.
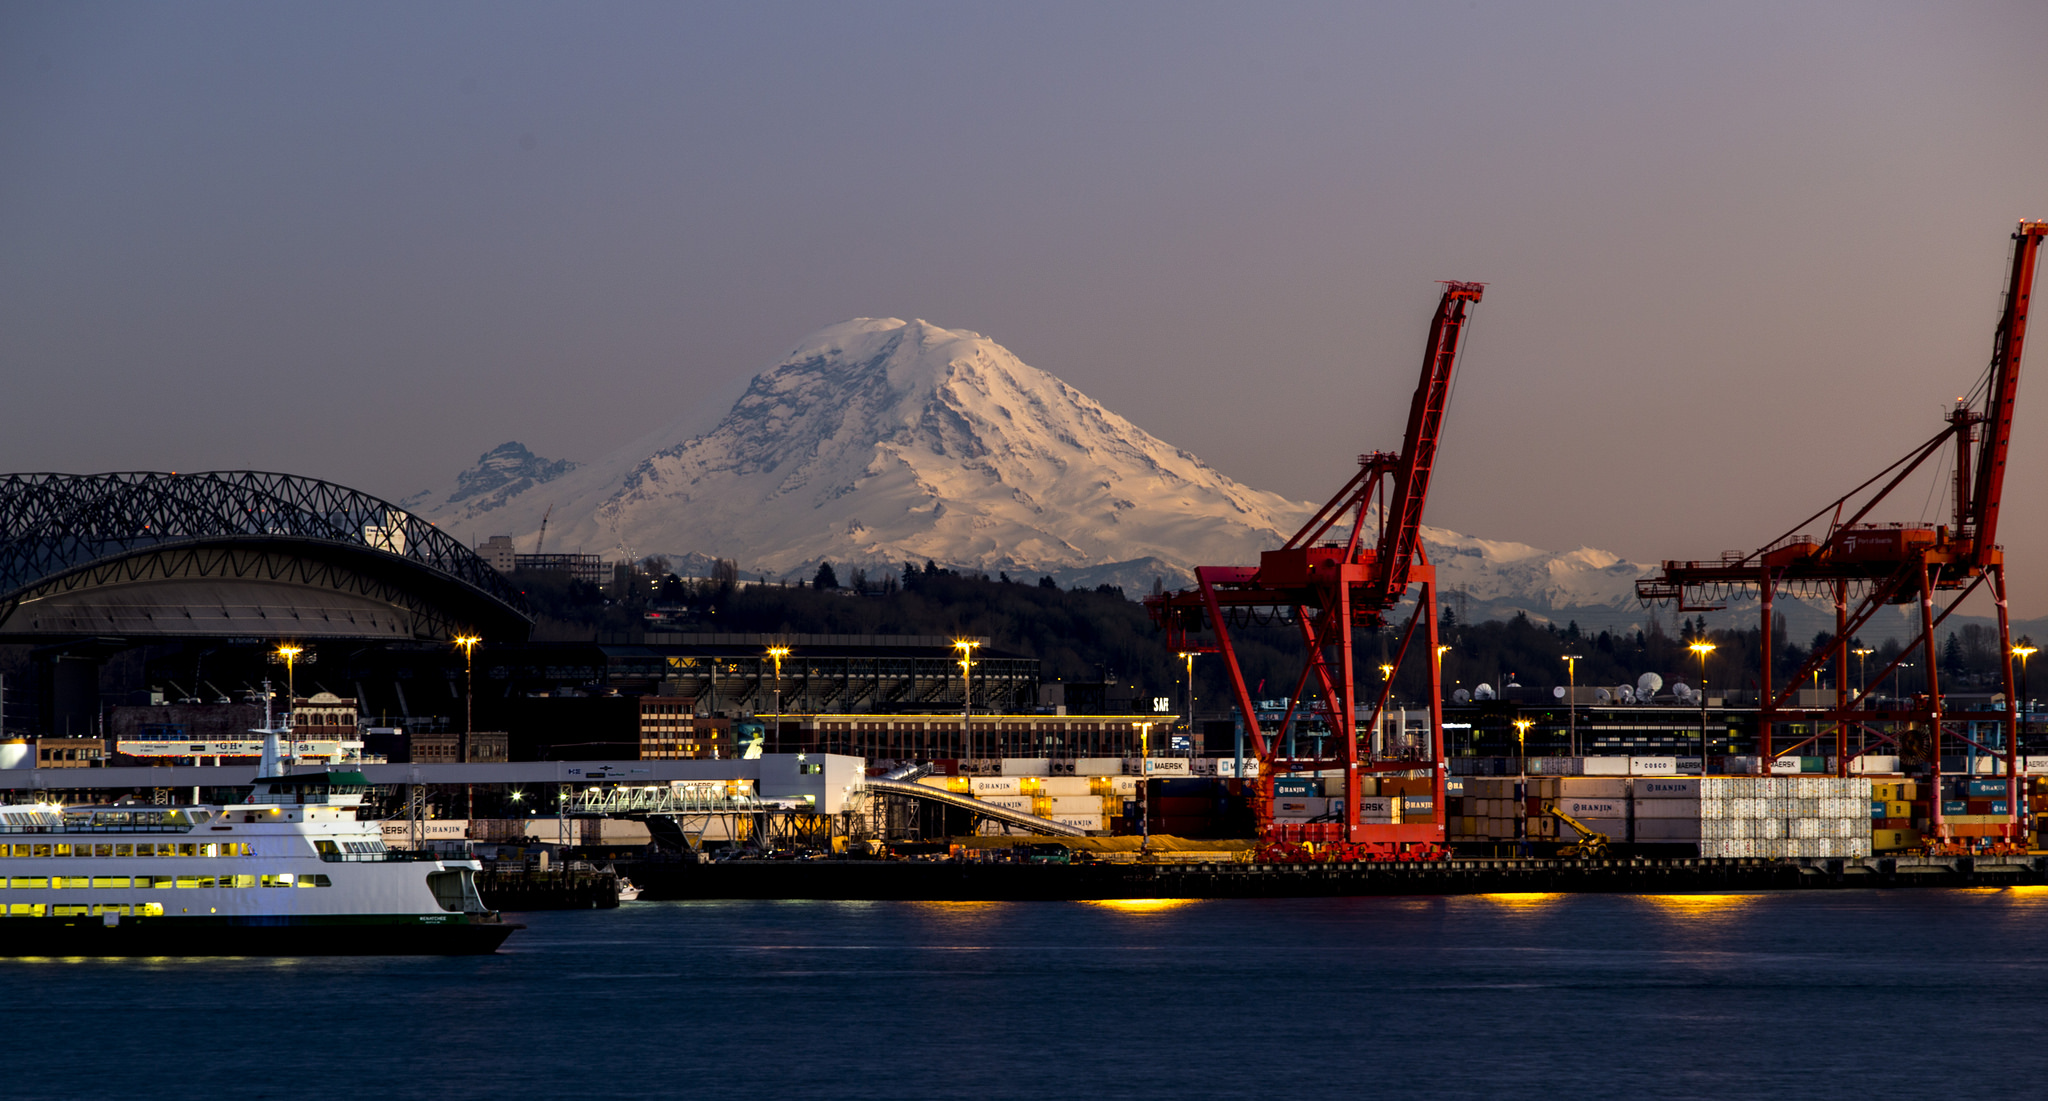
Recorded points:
(1327, 581)
(1866, 566)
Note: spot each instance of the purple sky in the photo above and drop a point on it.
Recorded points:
(1740, 256)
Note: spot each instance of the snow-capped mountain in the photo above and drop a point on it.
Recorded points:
(880, 441)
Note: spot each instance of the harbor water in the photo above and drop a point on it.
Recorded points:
(1811, 994)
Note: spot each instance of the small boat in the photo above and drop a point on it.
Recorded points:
(627, 891)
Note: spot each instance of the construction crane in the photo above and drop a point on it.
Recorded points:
(1865, 566)
(542, 538)
(1592, 844)
(1336, 574)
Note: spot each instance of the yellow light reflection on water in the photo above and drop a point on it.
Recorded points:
(1142, 905)
(1522, 900)
(1699, 906)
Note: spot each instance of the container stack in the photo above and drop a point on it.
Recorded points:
(1666, 810)
(1896, 815)
(1601, 802)
(1490, 809)
(1775, 817)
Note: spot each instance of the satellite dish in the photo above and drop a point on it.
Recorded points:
(1683, 693)
(1625, 694)
(1558, 691)
(1461, 696)
(1647, 685)
(1483, 692)
(1602, 695)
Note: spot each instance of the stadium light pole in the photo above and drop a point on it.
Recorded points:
(966, 648)
(468, 643)
(2023, 649)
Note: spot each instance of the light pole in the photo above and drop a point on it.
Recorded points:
(1571, 668)
(1188, 720)
(2023, 649)
(468, 645)
(1702, 648)
(966, 648)
(1522, 745)
(775, 654)
(290, 654)
(1862, 690)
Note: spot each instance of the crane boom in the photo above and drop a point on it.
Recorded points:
(2005, 381)
(1418, 447)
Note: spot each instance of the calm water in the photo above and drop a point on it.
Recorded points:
(1863, 994)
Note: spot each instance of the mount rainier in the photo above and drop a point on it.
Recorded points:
(879, 441)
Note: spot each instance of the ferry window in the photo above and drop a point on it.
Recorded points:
(97, 911)
(100, 850)
(277, 880)
(243, 880)
(30, 882)
(188, 850)
(325, 846)
(42, 850)
(70, 911)
(62, 850)
(124, 850)
(315, 881)
(110, 881)
(25, 909)
(149, 909)
(70, 882)
(188, 881)
(145, 850)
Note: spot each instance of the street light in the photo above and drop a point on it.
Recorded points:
(1862, 690)
(1522, 744)
(2023, 649)
(468, 644)
(1189, 718)
(966, 663)
(1702, 648)
(775, 654)
(1571, 668)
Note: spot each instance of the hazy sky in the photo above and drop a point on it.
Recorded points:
(1740, 256)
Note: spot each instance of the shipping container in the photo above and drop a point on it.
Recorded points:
(1667, 809)
(1297, 786)
(1653, 766)
(1026, 766)
(1648, 787)
(1592, 787)
(1654, 830)
(1603, 766)
(1596, 808)
(984, 786)
(1066, 785)
(1021, 803)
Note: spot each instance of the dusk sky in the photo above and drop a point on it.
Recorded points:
(1739, 257)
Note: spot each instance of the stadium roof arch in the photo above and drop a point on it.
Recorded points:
(234, 553)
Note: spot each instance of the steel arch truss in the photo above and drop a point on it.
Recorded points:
(65, 534)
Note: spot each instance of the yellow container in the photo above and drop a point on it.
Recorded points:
(1884, 791)
(1898, 808)
(1893, 840)
(962, 784)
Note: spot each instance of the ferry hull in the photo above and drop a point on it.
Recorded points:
(251, 936)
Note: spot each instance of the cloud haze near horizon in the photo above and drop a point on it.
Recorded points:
(1739, 256)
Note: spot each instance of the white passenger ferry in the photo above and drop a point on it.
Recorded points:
(290, 872)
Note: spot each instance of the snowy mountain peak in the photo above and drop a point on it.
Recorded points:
(886, 440)
(879, 440)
